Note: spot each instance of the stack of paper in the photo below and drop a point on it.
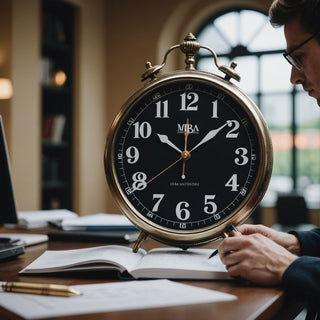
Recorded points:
(25, 239)
(99, 221)
(110, 297)
(41, 218)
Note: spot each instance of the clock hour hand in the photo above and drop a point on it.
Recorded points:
(211, 134)
(164, 139)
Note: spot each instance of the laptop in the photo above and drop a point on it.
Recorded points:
(8, 211)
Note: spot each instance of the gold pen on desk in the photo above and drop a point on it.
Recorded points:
(39, 288)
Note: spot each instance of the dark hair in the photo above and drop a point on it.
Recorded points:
(307, 11)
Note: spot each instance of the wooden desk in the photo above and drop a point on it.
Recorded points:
(253, 302)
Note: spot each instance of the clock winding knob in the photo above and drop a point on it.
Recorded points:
(230, 71)
(190, 48)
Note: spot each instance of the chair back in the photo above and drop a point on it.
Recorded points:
(291, 209)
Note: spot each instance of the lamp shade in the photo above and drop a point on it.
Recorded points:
(6, 90)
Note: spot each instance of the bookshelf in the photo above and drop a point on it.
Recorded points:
(56, 70)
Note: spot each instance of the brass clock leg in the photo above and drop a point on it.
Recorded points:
(141, 238)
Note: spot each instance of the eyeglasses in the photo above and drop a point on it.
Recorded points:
(294, 61)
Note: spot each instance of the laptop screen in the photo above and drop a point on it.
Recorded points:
(8, 212)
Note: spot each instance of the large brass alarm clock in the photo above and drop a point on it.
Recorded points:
(189, 154)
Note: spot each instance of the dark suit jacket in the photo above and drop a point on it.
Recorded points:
(303, 276)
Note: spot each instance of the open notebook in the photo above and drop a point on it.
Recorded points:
(8, 211)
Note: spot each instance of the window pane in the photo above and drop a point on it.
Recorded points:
(208, 65)
(210, 37)
(228, 25)
(307, 111)
(308, 148)
(268, 38)
(205, 64)
(247, 68)
(275, 74)
(251, 22)
(276, 110)
(265, 76)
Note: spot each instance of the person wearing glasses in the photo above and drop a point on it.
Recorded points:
(256, 252)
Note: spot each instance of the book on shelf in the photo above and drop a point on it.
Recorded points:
(53, 128)
(53, 28)
(46, 71)
(167, 262)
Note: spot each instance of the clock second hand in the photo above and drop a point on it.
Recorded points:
(164, 170)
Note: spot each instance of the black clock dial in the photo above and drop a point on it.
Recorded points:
(186, 155)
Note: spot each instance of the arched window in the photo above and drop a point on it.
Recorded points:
(245, 35)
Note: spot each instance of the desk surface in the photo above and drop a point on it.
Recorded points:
(253, 302)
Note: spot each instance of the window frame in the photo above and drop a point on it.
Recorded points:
(241, 51)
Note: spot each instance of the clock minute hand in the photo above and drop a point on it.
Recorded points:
(211, 134)
(164, 139)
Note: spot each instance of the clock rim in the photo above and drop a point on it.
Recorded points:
(186, 238)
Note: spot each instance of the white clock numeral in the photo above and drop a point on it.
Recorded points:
(243, 191)
(156, 96)
(245, 121)
(189, 101)
(182, 225)
(217, 216)
(215, 109)
(150, 215)
(162, 110)
(139, 181)
(233, 183)
(243, 159)
(182, 212)
(232, 133)
(132, 154)
(130, 121)
(142, 130)
(210, 206)
(128, 190)
(158, 197)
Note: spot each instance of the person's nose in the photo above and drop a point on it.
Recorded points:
(297, 76)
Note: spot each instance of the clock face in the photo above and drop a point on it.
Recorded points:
(186, 156)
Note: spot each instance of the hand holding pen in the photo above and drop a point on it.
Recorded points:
(255, 254)
(225, 235)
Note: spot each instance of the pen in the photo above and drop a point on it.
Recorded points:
(38, 288)
(214, 253)
(225, 235)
